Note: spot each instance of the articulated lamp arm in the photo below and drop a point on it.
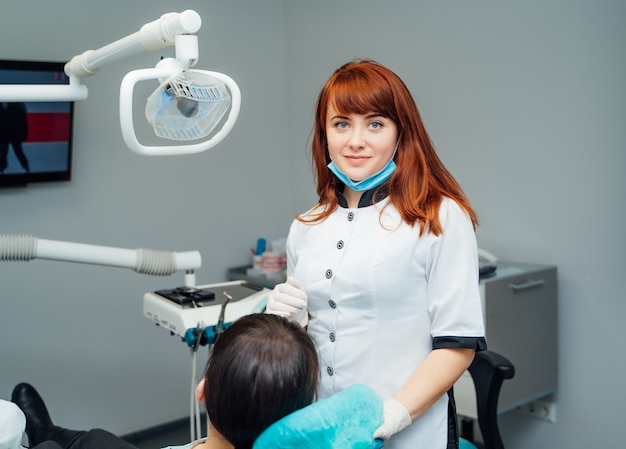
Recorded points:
(155, 35)
(73, 91)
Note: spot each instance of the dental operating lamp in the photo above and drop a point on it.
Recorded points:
(188, 104)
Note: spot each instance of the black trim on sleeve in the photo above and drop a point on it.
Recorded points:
(475, 343)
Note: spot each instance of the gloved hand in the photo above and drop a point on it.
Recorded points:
(289, 300)
(396, 419)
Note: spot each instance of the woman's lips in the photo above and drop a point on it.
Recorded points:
(357, 160)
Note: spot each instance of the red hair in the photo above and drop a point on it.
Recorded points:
(420, 181)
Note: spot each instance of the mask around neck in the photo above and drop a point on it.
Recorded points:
(368, 183)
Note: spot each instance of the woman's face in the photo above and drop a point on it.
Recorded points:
(360, 145)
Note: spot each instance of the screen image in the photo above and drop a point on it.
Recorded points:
(35, 137)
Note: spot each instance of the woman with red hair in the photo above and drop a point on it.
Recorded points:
(383, 271)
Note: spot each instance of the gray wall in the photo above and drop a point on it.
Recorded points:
(524, 101)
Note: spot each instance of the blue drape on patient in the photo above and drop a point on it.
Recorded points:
(345, 420)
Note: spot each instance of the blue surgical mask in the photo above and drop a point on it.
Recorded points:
(368, 183)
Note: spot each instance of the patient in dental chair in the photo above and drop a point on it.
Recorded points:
(258, 389)
(262, 368)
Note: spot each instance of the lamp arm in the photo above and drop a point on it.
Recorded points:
(73, 91)
(158, 263)
(158, 34)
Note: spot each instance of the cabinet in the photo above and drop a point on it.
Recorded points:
(520, 311)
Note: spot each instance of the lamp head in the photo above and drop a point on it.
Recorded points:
(188, 106)
(172, 119)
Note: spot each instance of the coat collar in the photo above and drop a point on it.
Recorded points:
(368, 198)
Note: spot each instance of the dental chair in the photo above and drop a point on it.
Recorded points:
(488, 370)
(345, 420)
(349, 418)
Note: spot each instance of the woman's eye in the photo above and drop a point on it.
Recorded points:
(341, 125)
(376, 125)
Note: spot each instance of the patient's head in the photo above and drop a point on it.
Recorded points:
(262, 368)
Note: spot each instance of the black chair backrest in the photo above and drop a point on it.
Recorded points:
(489, 370)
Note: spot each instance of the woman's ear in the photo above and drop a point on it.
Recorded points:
(200, 391)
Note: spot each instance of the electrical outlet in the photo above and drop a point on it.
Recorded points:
(545, 410)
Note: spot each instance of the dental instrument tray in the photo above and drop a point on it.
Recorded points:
(189, 296)
(183, 308)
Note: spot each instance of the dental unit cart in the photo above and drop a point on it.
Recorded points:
(210, 308)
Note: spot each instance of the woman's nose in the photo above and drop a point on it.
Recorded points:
(357, 139)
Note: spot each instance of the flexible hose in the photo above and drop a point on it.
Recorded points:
(194, 433)
(156, 263)
(18, 247)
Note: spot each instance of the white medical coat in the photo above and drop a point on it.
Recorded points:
(381, 297)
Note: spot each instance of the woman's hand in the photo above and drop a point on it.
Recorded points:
(431, 380)
(289, 300)
(396, 419)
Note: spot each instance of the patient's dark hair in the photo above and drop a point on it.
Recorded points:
(262, 368)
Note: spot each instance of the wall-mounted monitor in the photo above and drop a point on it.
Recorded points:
(35, 137)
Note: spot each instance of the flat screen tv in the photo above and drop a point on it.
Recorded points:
(35, 137)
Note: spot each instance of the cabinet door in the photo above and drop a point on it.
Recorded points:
(521, 324)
